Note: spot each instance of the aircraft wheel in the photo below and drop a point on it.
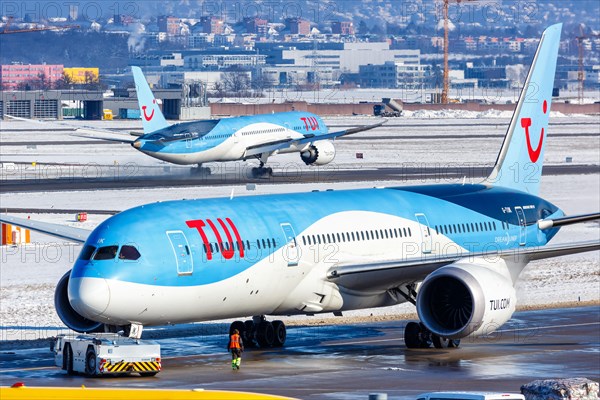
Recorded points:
(239, 325)
(440, 342)
(68, 359)
(412, 333)
(90, 362)
(425, 336)
(280, 333)
(453, 343)
(265, 335)
(249, 334)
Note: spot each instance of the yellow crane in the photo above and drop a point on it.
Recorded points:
(446, 84)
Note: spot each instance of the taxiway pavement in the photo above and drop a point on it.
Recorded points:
(349, 361)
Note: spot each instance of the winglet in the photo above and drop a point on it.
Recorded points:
(152, 118)
(519, 164)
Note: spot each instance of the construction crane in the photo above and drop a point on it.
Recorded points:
(581, 71)
(446, 84)
(37, 29)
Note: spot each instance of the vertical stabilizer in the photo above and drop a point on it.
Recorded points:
(519, 164)
(152, 118)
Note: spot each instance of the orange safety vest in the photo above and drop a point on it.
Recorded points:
(235, 342)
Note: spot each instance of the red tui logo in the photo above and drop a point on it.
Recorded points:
(146, 117)
(534, 154)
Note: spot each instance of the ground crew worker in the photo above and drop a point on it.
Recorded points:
(236, 346)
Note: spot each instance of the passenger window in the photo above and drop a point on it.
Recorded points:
(86, 252)
(404, 229)
(129, 253)
(409, 232)
(273, 242)
(303, 240)
(106, 253)
(264, 244)
(353, 236)
(258, 243)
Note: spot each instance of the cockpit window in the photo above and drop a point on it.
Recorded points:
(129, 253)
(106, 253)
(86, 252)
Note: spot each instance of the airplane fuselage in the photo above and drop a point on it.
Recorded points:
(228, 139)
(210, 259)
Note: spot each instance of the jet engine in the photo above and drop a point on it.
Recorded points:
(67, 314)
(466, 300)
(319, 153)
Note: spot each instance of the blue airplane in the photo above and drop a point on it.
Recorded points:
(230, 139)
(453, 250)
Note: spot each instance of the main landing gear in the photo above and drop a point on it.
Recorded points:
(262, 172)
(258, 332)
(417, 336)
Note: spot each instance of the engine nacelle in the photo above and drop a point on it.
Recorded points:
(466, 299)
(67, 314)
(319, 153)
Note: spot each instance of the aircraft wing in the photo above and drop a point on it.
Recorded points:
(118, 136)
(390, 274)
(77, 235)
(287, 143)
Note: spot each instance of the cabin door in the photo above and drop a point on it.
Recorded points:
(290, 251)
(182, 252)
(426, 239)
(522, 225)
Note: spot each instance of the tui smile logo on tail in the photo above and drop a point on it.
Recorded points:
(534, 154)
(146, 117)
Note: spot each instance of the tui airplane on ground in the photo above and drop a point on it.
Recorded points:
(453, 250)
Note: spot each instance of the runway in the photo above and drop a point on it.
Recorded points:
(349, 361)
(64, 178)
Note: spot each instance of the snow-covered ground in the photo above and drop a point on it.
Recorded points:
(29, 274)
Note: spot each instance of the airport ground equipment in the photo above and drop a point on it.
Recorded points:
(395, 108)
(106, 354)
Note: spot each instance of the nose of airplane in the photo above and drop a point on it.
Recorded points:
(89, 296)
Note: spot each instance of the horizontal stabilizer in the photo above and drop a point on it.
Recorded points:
(572, 219)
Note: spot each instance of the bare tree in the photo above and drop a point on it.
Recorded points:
(236, 82)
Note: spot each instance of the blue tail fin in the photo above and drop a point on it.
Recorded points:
(519, 164)
(152, 118)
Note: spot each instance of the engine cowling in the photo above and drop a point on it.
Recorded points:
(67, 314)
(467, 299)
(319, 153)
